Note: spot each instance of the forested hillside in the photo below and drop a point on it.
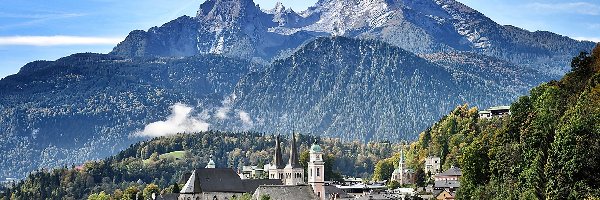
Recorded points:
(144, 163)
(87, 106)
(547, 148)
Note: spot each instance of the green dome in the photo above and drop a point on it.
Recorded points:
(315, 148)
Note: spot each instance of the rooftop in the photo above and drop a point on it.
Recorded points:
(285, 192)
(453, 171)
(222, 180)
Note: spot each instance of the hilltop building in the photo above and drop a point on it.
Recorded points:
(496, 111)
(432, 165)
(290, 174)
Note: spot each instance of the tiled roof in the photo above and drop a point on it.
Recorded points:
(250, 185)
(447, 184)
(286, 192)
(221, 180)
(453, 171)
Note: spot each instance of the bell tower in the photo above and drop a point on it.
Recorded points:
(316, 170)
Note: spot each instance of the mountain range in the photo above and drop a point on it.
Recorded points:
(239, 28)
(355, 69)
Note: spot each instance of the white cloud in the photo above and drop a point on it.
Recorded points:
(593, 39)
(246, 119)
(583, 8)
(180, 121)
(57, 40)
(223, 111)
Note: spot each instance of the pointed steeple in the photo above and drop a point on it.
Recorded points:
(401, 163)
(277, 158)
(192, 186)
(293, 153)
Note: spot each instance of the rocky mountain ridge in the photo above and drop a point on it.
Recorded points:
(239, 28)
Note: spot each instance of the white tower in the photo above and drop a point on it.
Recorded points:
(211, 163)
(401, 167)
(316, 171)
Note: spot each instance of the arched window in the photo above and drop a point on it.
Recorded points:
(318, 171)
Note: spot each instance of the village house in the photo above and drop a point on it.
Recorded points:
(496, 111)
(448, 180)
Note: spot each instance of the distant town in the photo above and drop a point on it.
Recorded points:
(281, 181)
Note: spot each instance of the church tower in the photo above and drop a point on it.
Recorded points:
(294, 173)
(276, 168)
(398, 174)
(316, 170)
(211, 163)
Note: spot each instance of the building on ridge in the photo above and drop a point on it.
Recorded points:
(496, 111)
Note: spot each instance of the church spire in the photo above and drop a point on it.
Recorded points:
(293, 153)
(277, 158)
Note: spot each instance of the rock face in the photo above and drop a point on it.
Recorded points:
(239, 28)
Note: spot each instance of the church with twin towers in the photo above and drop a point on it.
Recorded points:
(292, 173)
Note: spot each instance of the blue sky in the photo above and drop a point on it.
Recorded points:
(46, 30)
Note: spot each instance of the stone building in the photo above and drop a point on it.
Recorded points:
(432, 165)
(219, 184)
(290, 174)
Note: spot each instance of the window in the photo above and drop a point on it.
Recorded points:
(310, 172)
(318, 172)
